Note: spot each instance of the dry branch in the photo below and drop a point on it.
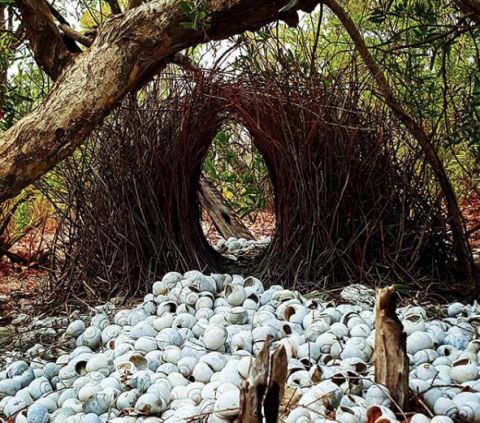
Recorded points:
(74, 35)
(391, 361)
(114, 6)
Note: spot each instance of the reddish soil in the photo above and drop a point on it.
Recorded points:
(21, 280)
(471, 211)
(261, 225)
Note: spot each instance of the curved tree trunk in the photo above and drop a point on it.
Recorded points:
(129, 49)
(462, 247)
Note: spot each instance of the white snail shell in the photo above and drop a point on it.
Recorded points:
(419, 418)
(294, 313)
(413, 322)
(377, 395)
(143, 329)
(346, 415)
(426, 371)
(186, 365)
(204, 302)
(101, 363)
(98, 403)
(418, 341)
(214, 337)
(100, 321)
(227, 404)
(37, 413)
(237, 316)
(469, 412)
(299, 415)
(149, 404)
(300, 378)
(92, 337)
(39, 387)
(9, 387)
(202, 372)
(206, 284)
(235, 294)
(463, 370)
(445, 407)
(167, 307)
(14, 405)
(441, 419)
(75, 328)
(455, 309)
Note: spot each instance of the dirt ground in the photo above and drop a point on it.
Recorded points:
(21, 284)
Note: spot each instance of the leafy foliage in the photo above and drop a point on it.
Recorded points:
(239, 171)
(195, 15)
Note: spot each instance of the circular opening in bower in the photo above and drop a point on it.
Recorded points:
(236, 195)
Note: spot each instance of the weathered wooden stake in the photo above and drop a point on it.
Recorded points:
(262, 392)
(391, 361)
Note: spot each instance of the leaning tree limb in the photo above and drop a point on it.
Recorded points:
(129, 49)
(76, 36)
(224, 218)
(45, 38)
(462, 248)
(114, 6)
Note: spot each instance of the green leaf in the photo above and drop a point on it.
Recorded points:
(188, 25)
(186, 6)
(377, 16)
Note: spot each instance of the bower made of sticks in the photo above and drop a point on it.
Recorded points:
(351, 202)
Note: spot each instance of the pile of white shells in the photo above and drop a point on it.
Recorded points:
(235, 247)
(183, 353)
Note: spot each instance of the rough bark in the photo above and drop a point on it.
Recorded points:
(223, 217)
(130, 48)
(391, 361)
(462, 247)
(3, 62)
(134, 3)
(254, 388)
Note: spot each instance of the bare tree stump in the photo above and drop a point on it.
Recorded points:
(391, 361)
(276, 384)
(262, 392)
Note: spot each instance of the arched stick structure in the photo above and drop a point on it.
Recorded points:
(348, 206)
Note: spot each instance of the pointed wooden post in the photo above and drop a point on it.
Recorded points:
(391, 361)
(261, 394)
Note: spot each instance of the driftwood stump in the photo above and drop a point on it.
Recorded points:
(391, 361)
(262, 392)
(223, 216)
